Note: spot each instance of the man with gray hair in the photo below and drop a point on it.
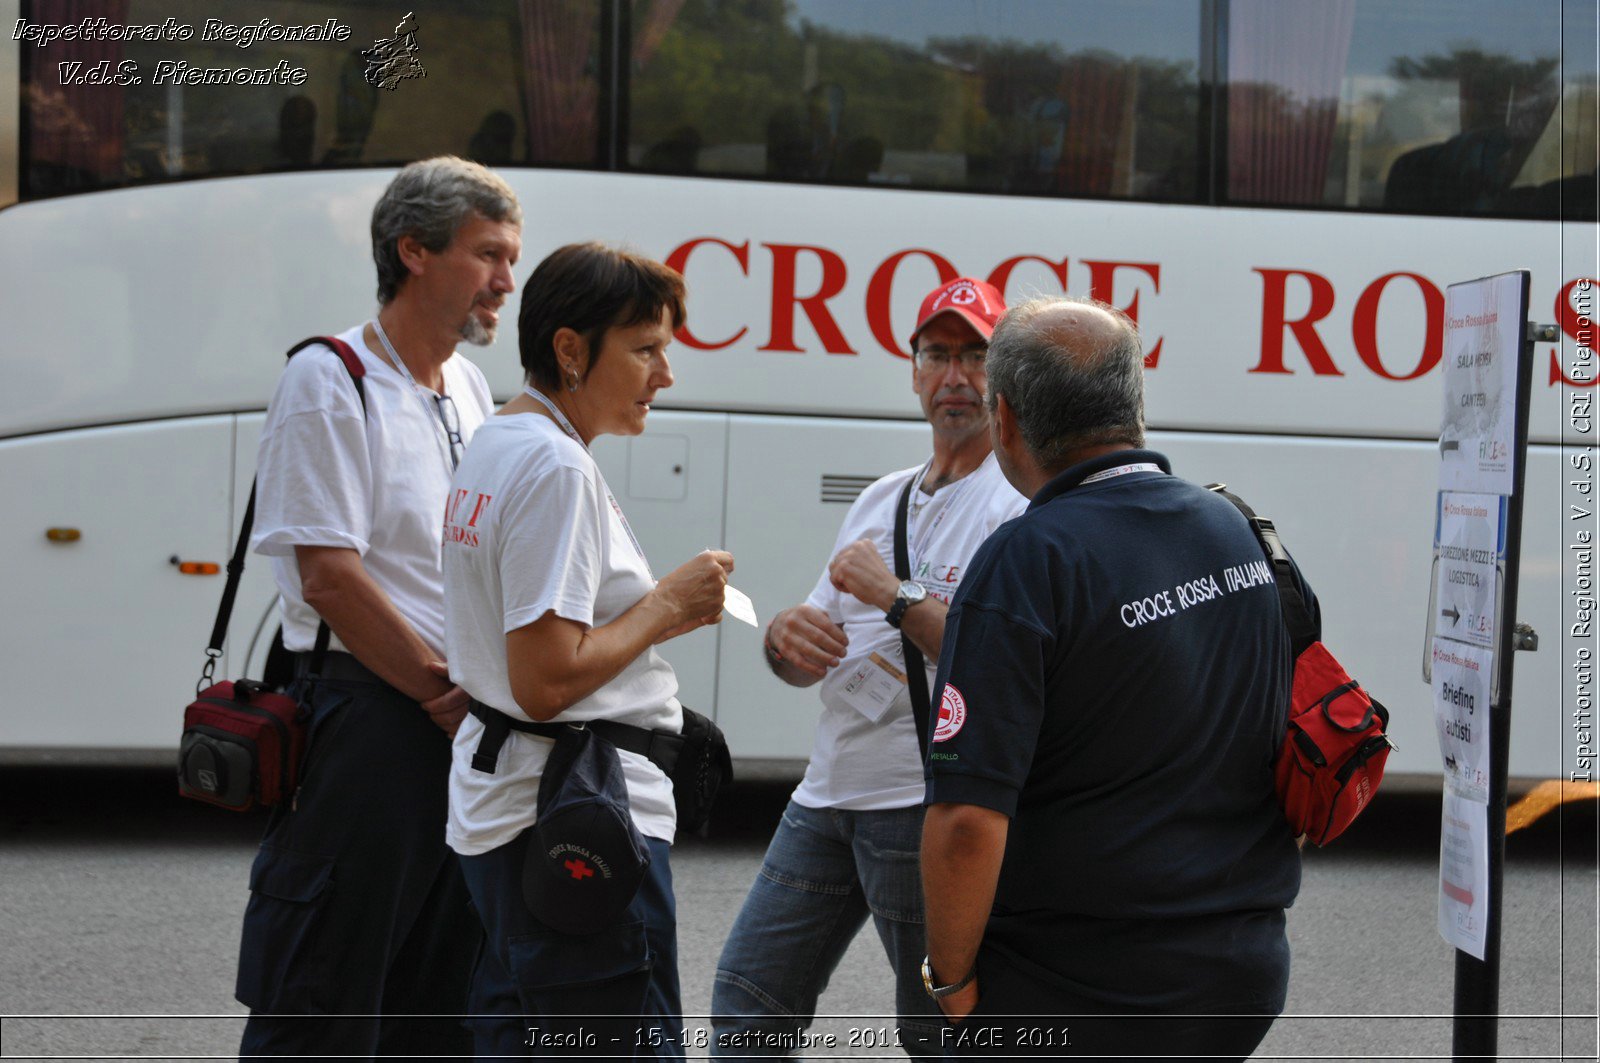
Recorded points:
(358, 915)
(1103, 839)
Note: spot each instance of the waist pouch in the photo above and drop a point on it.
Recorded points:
(585, 858)
(695, 759)
(241, 746)
(1335, 749)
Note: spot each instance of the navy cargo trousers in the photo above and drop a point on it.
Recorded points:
(359, 938)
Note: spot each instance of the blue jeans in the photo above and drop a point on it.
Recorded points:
(537, 992)
(824, 872)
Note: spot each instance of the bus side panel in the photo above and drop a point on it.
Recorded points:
(104, 636)
(781, 534)
(1358, 516)
(669, 481)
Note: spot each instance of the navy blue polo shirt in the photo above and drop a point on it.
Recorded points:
(1114, 677)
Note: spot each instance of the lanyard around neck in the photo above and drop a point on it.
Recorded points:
(925, 535)
(429, 401)
(566, 426)
(555, 411)
(1120, 470)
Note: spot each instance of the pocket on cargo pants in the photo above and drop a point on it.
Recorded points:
(279, 970)
(582, 994)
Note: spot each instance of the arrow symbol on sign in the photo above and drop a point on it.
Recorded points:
(1456, 893)
(1453, 613)
(1447, 445)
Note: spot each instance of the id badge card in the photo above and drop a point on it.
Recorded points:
(874, 687)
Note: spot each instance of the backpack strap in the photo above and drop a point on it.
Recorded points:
(1296, 617)
(219, 628)
(916, 674)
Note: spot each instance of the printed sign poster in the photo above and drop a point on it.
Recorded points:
(1470, 541)
(1482, 343)
(1462, 676)
(1461, 680)
(1464, 874)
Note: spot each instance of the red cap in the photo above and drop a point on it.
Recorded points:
(978, 303)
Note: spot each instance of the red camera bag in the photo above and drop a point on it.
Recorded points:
(241, 746)
(243, 740)
(1335, 748)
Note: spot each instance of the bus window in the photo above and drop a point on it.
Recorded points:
(1043, 98)
(1428, 106)
(500, 81)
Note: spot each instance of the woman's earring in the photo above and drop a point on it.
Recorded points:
(572, 379)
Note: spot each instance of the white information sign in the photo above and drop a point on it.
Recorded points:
(1462, 676)
(1470, 542)
(1482, 344)
(1464, 874)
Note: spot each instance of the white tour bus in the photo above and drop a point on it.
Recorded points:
(1278, 191)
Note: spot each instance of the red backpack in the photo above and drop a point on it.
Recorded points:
(1335, 747)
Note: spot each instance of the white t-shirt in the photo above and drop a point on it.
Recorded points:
(327, 475)
(857, 763)
(530, 529)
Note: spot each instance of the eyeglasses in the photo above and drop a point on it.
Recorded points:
(937, 359)
(452, 427)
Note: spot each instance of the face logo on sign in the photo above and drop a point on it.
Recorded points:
(952, 714)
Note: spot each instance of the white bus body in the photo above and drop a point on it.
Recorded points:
(144, 330)
(1279, 193)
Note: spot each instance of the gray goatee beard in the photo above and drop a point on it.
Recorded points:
(476, 332)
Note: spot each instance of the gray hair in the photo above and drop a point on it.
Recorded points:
(1064, 398)
(430, 200)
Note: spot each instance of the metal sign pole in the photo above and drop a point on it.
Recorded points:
(1477, 990)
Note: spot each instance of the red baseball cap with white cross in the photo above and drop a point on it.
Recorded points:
(978, 303)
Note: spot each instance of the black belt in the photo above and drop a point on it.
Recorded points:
(338, 666)
(660, 747)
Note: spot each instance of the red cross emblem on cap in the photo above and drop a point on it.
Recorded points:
(580, 870)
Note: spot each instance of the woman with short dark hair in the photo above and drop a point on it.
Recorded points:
(552, 616)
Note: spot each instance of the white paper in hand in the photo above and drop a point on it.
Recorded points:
(737, 604)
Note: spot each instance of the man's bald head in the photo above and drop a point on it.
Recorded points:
(1072, 372)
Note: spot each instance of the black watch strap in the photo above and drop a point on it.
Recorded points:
(897, 612)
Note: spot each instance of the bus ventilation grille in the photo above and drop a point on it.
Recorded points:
(838, 487)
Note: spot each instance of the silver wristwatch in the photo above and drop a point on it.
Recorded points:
(937, 991)
(911, 592)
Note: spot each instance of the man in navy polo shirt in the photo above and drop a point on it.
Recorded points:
(1103, 839)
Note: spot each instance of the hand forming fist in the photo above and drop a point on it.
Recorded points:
(805, 638)
(859, 571)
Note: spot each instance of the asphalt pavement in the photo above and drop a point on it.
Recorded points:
(120, 908)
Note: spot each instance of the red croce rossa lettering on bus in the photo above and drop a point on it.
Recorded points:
(1364, 326)
(679, 260)
(1274, 320)
(785, 299)
(878, 294)
(1102, 286)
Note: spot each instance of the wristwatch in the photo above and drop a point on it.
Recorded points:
(937, 991)
(911, 592)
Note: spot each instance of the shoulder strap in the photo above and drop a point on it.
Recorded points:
(916, 675)
(219, 628)
(1296, 617)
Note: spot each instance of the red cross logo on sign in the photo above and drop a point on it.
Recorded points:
(580, 870)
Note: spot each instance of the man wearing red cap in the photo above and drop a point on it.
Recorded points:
(848, 843)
